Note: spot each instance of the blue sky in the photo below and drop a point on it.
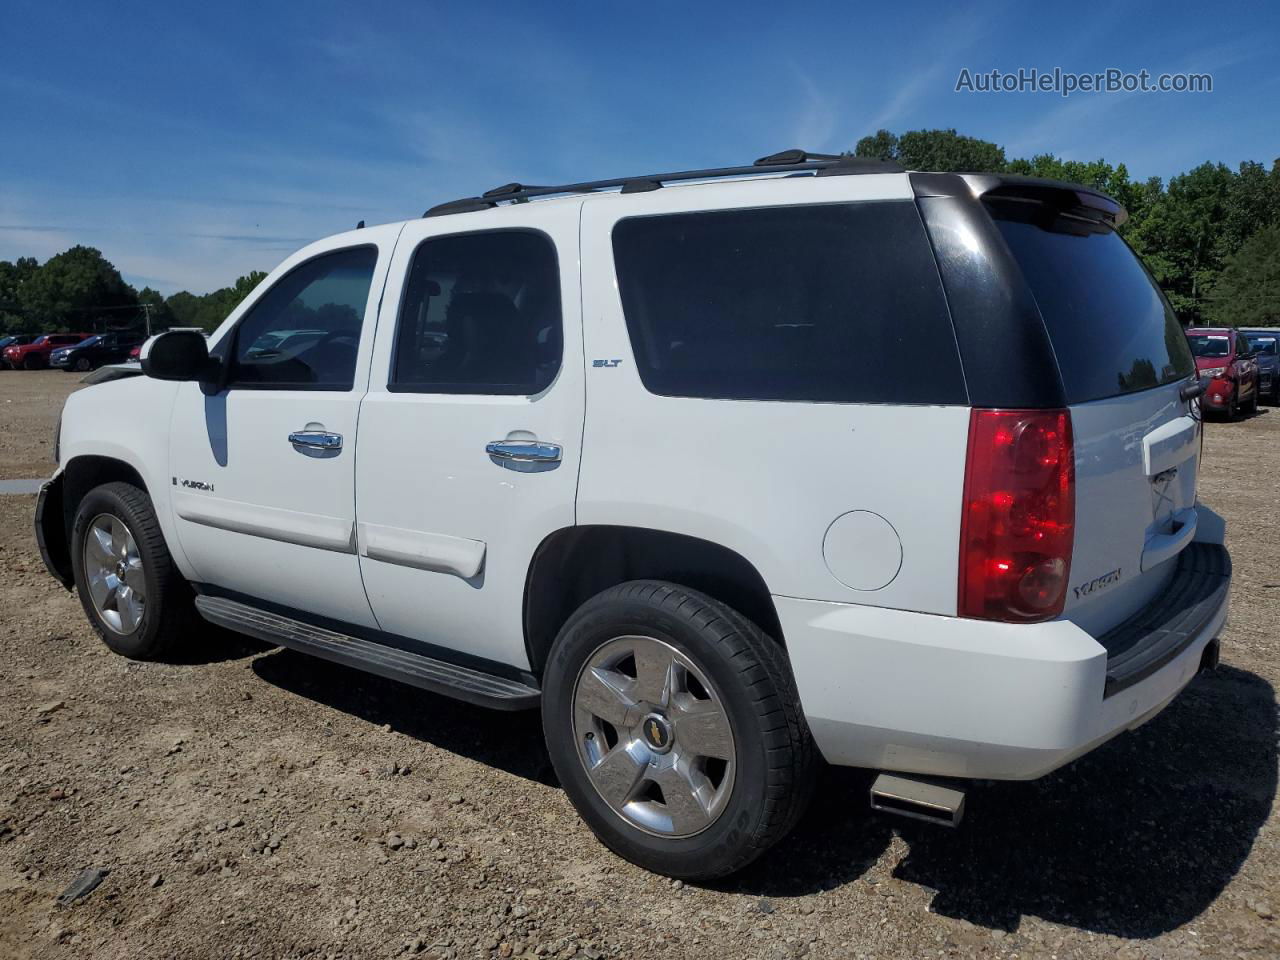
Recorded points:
(192, 143)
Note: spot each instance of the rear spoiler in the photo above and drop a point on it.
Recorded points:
(1090, 207)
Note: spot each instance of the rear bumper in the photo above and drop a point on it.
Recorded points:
(916, 693)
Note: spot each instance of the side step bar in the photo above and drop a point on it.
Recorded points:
(427, 673)
(918, 799)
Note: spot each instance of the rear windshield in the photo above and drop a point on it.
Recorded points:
(823, 303)
(1112, 330)
(1203, 346)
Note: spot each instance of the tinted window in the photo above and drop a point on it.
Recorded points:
(481, 314)
(1112, 330)
(305, 330)
(832, 303)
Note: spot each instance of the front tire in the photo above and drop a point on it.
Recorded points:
(674, 725)
(84, 365)
(131, 591)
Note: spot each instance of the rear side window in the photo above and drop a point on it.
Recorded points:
(835, 303)
(481, 315)
(1112, 330)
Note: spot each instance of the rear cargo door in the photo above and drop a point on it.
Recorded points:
(1124, 359)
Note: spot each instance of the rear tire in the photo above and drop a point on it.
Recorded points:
(674, 725)
(131, 591)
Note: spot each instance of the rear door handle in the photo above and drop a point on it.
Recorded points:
(524, 451)
(316, 440)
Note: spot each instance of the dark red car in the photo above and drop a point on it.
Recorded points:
(34, 355)
(1225, 359)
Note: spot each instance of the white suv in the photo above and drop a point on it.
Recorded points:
(727, 470)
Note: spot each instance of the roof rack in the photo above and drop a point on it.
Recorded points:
(818, 164)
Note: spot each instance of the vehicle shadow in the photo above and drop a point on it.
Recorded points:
(204, 644)
(486, 736)
(1134, 840)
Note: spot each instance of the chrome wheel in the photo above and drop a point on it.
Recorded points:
(113, 571)
(654, 736)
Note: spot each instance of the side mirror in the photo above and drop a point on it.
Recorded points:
(177, 355)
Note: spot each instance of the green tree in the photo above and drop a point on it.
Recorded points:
(1247, 292)
(75, 289)
(1179, 236)
(209, 310)
(943, 150)
(881, 145)
(13, 276)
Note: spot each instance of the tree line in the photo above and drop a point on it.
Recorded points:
(1211, 237)
(80, 290)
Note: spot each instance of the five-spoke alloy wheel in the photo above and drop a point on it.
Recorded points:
(654, 736)
(674, 726)
(113, 570)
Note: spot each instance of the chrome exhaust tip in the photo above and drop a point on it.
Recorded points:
(1209, 659)
(925, 800)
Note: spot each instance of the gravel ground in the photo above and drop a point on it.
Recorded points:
(251, 802)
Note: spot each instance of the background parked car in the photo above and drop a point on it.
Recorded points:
(35, 355)
(13, 340)
(94, 352)
(1266, 351)
(1224, 357)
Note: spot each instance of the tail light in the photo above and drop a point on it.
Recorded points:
(1017, 529)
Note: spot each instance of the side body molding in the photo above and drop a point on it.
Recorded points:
(271, 523)
(436, 552)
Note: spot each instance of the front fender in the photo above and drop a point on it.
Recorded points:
(128, 420)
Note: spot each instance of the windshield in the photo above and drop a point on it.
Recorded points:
(89, 342)
(39, 340)
(1265, 345)
(1209, 346)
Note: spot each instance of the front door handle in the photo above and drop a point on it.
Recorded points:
(524, 451)
(316, 440)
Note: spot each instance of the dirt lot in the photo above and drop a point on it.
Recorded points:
(254, 803)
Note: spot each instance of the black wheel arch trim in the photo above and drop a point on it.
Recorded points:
(51, 532)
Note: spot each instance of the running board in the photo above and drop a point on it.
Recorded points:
(461, 683)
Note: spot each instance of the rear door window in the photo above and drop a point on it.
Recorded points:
(481, 315)
(1112, 330)
(822, 303)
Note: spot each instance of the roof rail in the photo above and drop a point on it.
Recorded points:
(818, 164)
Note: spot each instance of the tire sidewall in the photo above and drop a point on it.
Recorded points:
(139, 642)
(717, 849)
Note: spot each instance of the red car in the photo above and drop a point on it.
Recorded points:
(34, 355)
(1224, 357)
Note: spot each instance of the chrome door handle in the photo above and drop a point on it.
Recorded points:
(316, 440)
(524, 451)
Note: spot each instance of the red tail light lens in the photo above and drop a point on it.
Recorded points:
(1016, 533)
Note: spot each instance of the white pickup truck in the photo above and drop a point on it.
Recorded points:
(728, 471)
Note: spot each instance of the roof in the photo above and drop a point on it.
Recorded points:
(1080, 201)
